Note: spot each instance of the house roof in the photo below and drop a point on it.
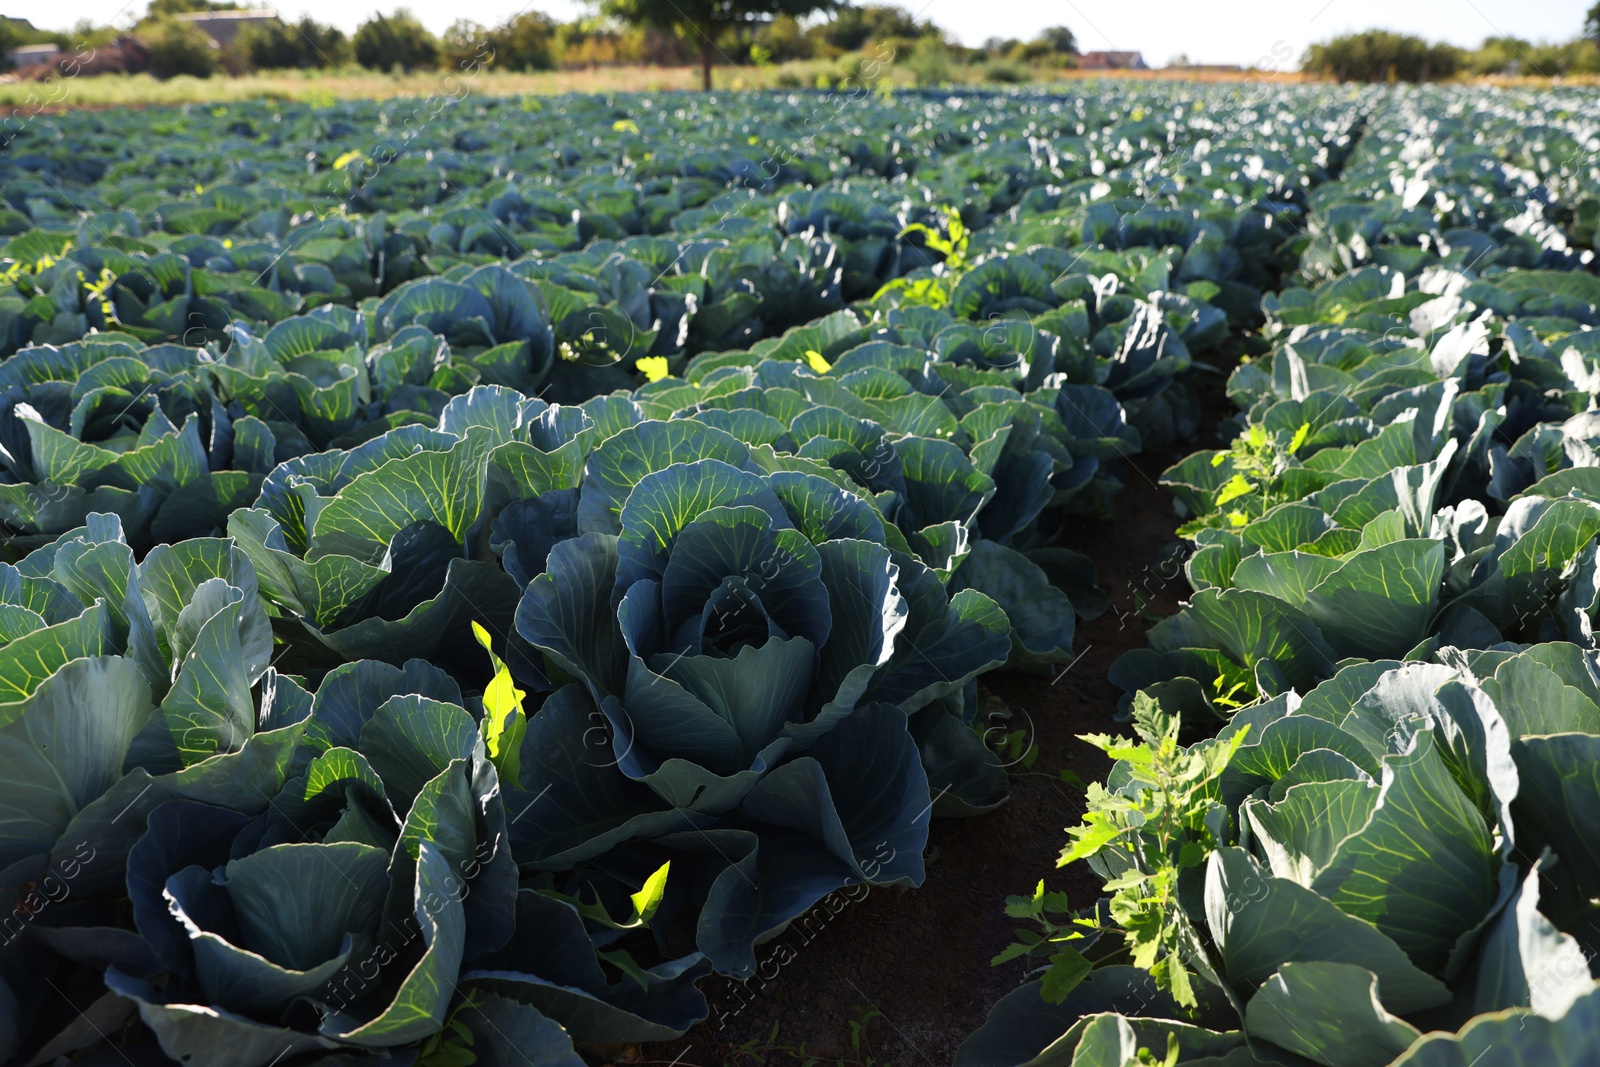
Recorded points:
(223, 26)
(34, 49)
(1112, 60)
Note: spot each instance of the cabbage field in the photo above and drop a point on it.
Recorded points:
(479, 571)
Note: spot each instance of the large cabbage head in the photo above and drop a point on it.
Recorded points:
(726, 618)
(339, 913)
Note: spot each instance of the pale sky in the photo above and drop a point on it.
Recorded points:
(1266, 33)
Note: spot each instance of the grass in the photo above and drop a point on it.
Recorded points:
(327, 86)
(323, 87)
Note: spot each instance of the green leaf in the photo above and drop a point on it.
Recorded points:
(64, 747)
(1516, 1039)
(648, 898)
(1424, 869)
(296, 902)
(442, 487)
(419, 1005)
(1067, 969)
(209, 708)
(1260, 923)
(27, 661)
(1380, 602)
(1557, 806)
(1328, 1013)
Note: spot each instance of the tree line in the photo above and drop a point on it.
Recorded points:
(1380, 56)
(651, 32)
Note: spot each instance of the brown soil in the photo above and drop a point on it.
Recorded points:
(920, 958)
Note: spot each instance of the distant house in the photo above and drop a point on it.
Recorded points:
(126, 56)
(1112, 61)
(33, 55)
(223, 26)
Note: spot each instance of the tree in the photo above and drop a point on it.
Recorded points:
(163, 8)
(462, 42)
(11, 36)
(527, 42)
(852, 27)
(275, 46)
(398, 40)
(1591, 23)
(784, 39)
(706, 21)
(1060, 39)
(1499, 55)
(1377, 56)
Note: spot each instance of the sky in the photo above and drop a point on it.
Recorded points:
(1271, 34)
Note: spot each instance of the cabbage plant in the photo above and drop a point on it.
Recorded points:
(1401, 852)
(754, 649)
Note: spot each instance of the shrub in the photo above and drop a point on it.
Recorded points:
(929, 63)
(178, 48)
(1581, 56)
(1006, 73)
(858, 71)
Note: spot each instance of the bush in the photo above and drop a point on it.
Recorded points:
(858, 71)
(1030, 52)
(929, 63)
(1006, 73)
(178, 48)
(1575, 57)
(398, 40)
(1380, 56)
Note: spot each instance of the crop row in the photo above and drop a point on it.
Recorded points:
(1355, 826)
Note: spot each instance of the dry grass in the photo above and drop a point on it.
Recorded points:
(1569, 81)
(1184, 74)
(327, 86)
(324, 87)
